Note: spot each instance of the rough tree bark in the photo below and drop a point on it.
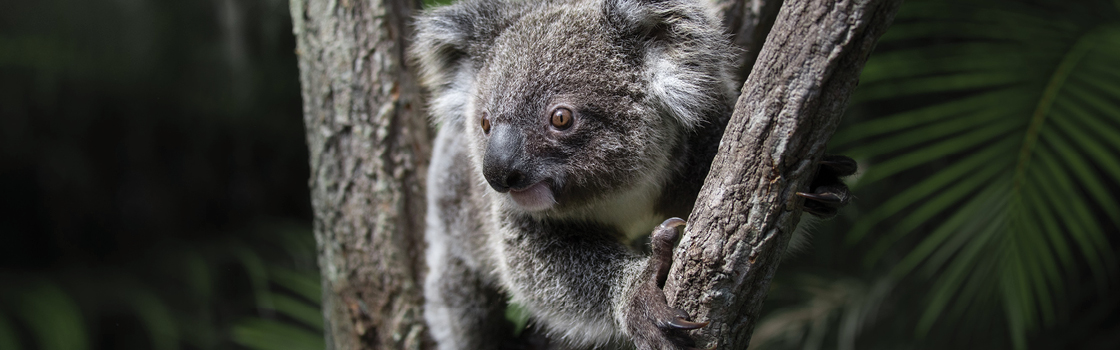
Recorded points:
(790, 105)
(369, 144)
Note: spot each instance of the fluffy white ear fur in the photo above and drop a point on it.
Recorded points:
(676, 91)
(679, 76)
(453, 102)
(439, 52)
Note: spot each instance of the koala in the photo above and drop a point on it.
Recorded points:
(567, 130)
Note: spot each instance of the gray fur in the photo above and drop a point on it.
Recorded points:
(650, 86)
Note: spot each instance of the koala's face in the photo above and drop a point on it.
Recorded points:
(566, 105)
(559, 116)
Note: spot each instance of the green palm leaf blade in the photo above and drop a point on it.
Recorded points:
(1090, 125)
(1021, 246)
(1029, 253)
(981, 21)
(302, 311)
(940, 149)
(304, 284)
(951, 83)
(1100, 65)
(919, 137)
(257, 272)
(1104, 107)
(964, 109)
(927, 28)
(944, 241)
(8, 339)
(935, 255)
(941, 59)
(1042, 210)
(937, 204)
(1084, 231)
(966, 167)
(155, 316)
(970, 260)
(196, 273)
(1067, 190)
(53, 317)
(1086, 175)
(262, 334)
(976, 293)
(1016, 295)
(1105, 82)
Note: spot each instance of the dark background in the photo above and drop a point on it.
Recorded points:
(152, 171)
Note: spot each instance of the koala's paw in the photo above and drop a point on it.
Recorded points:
(650, 321)
(827, 194)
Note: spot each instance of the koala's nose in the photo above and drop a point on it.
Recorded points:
(502, 163)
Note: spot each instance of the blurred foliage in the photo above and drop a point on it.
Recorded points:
(154, 176)
(201, 294)
(989, 137)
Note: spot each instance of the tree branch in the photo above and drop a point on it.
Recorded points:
(788, 110)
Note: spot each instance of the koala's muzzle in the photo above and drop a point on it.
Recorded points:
(504, 165)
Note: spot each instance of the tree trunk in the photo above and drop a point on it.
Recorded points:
(369, 144)
(789, 107)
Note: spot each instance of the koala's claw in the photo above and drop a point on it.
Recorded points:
(824, 198)
(681, 322)
(651, 323)
(827, 193)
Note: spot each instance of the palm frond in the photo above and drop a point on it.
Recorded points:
(1025, 129)
(303, 327)
(848, 302)
(50, 314)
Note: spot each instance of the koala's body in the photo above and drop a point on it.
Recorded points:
(566, 130)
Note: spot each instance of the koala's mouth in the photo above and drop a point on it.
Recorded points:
(534, 198)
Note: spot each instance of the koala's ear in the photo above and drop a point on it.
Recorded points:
(449, 41)
(686, 54)
(659, 19)
(442, 39)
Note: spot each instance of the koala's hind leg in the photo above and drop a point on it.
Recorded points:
(462, 310)
(827, 193)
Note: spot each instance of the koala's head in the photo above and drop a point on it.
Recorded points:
(565, 103)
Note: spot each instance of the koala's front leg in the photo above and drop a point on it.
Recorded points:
(650, 321)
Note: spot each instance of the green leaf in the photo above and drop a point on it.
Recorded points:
(1011, 228)
(257, 272)
(964, 108)
(302, 311)
(938, 150)
(8, 338)
(262, 334)
(155, 317)
(52, 317)
(974, 166)
(305, 284)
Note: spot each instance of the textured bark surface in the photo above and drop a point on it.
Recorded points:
(369, 144)
(789, 107)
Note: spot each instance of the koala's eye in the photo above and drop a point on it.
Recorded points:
(486, 123)
(561, 118)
